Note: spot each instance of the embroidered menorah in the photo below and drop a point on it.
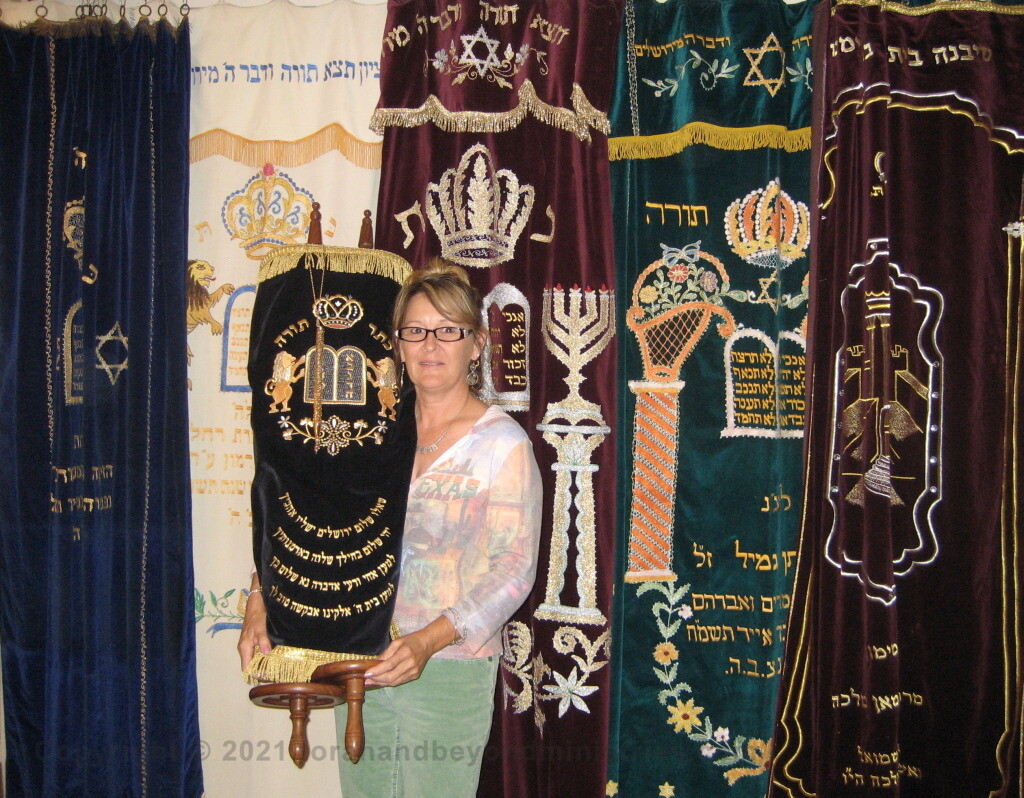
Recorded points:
(577, 326)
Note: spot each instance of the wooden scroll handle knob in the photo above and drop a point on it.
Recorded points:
(350, 674)
(298, 698)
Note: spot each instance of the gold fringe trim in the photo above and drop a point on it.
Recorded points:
(289, 664)
(577, 121)
(364, 154)
(932, 8)
(778, 137)
(353, 260)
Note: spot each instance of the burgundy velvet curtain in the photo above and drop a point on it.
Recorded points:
(495, 156)
(904, 646)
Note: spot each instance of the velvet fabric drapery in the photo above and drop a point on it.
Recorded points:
(495, 156)
(95, 540)
(903, 662)
(710, 146)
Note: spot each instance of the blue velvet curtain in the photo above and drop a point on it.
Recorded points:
(95, 546)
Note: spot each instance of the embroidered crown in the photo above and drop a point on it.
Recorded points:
(269, 212)
(478, 213)
(338, 312)
(767, 228)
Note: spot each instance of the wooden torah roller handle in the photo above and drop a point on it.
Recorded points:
(349, 673)
(331, 685)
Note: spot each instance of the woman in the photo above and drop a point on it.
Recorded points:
(468, 562)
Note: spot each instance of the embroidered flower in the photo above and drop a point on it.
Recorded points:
(334, 434)
(708, 750)
(684, 716)
(570, 691)
(722, 734)
(648, 294)
(664, 653)
(708, 281)
(679, 273)
(686, 612)
(440, 60)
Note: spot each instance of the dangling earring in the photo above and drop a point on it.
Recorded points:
(401, 379)
(473, 378)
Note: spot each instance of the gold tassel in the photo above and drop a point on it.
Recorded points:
(352, 260)
(724, 138)
(289, 664)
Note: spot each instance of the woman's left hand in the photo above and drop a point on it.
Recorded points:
(404, 660)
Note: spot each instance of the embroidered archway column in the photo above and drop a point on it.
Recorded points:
(495, 157)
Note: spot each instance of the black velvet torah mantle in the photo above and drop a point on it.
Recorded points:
(333, 446)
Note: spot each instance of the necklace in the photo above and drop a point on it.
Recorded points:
(432, 447)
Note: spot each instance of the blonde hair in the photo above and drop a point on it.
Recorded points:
(448, 289)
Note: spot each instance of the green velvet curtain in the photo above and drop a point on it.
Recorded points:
(710, 147)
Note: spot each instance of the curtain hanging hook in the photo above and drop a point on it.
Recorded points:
(124, 9)
(42, 10)
(183, 9)
(145, 10)
(161, 11)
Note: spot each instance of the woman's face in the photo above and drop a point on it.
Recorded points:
(435, 365)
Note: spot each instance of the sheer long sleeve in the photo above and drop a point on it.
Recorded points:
(471, 537)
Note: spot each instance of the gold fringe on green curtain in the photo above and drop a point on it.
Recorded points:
(724, 138)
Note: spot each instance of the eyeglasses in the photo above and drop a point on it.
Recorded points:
(446, 334)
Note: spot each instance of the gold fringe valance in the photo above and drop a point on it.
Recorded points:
(289, 664)
(724, 138)
(579, 120)
(354, 260)
(364, 154)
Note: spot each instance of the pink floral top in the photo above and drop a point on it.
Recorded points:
(472, 530)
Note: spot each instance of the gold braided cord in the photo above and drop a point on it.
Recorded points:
(579, 120)
(932, 8)
(290, 664)
(353, 260)
(364, 154)
(724, 138)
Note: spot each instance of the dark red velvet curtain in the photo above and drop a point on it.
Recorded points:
(904, 646)
(495, 156)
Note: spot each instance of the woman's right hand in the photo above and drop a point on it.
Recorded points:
(254, 629)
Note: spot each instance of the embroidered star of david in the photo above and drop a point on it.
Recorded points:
(115, 336)
(469, 42)
(756, 55)
(765, 298)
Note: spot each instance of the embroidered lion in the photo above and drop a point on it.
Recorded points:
(199, 300)
(383, 377)
(287, 370)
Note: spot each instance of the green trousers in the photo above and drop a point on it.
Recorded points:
(426, 738)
